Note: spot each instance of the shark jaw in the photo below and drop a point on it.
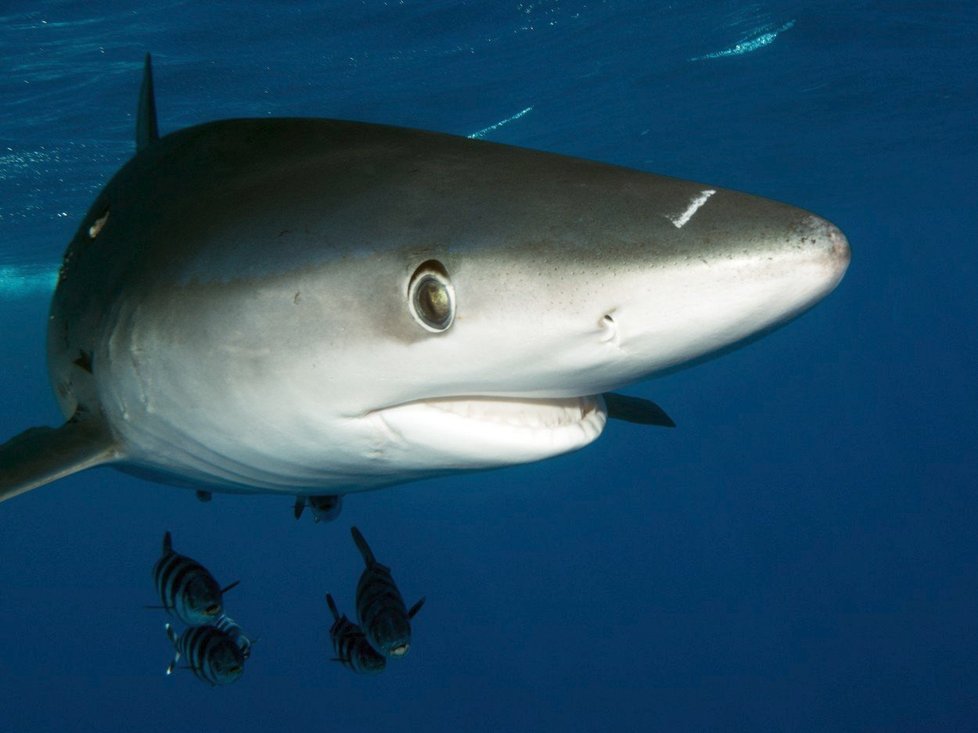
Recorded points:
(486, 432)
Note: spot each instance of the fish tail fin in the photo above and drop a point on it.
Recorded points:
(41, 455)
(368, 555)
(147, 131)
(172, 636)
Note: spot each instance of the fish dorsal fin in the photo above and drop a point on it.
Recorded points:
(636, 410)
(332, 606)
(167, 543)
(41, 455)
(368, 555)
(146, 130)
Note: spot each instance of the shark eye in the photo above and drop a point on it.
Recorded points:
(431, 297)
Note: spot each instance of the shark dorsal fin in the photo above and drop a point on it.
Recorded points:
(146, 130)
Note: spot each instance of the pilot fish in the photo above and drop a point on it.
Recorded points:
(351, 646)
(186, 588)
(380, 607)
(212, 654)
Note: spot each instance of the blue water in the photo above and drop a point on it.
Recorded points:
(799, 554)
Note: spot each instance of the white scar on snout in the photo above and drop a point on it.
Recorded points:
(680, 221)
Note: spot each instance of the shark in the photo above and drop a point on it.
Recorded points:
(315, 307)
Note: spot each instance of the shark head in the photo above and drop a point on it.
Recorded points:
(317, 306)
(344, 306)
(547, 315)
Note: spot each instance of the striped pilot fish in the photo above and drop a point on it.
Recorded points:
(186, 588)
(230, 627)
(211, 654)
(380, 608)
(351, 646)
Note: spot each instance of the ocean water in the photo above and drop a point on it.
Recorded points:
(798, 554)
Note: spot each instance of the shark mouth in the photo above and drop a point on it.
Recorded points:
(483, 432)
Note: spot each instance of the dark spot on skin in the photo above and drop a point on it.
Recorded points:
(84, 361)
(204, 496)
(297, 298)
(284, 232)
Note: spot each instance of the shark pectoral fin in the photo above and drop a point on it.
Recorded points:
(636, 410)
(40, 455)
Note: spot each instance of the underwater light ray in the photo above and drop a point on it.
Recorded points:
(747, 46)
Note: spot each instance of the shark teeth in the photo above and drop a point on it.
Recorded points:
(461, 433)
(534, 414)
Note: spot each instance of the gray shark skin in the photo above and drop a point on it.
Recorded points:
(312, 306)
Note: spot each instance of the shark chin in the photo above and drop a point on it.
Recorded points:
(484, 432)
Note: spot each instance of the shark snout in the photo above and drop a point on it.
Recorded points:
(721, 292)
(828, 244)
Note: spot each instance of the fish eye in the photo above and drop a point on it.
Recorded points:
(431, 297)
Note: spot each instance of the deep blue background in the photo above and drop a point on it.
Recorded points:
(799, 554)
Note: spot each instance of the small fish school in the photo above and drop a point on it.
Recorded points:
(215, 647)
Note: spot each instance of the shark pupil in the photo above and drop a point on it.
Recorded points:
(433, 302)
